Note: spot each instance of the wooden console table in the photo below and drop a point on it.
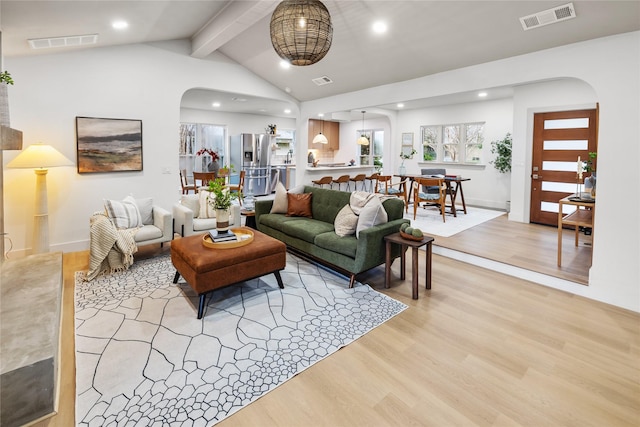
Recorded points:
(583, 216)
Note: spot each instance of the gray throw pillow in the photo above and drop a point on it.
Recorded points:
(372, 214)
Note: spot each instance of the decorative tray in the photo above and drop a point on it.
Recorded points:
(244, 234)
(410, 237)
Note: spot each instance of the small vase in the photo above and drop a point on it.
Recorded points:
(222, 219)
(213, 167)
(402, 170)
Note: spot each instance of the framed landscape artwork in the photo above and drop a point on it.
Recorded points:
(108, 145)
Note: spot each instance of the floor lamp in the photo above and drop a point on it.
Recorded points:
(40, 157)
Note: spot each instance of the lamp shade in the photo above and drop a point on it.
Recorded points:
(363, 140)
(301, 31)
(320, 139)
(39, 156)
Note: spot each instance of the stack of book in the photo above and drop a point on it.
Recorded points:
(222, 236)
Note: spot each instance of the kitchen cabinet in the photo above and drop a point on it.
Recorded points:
(329, 129)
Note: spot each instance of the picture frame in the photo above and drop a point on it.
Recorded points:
(108, 145)
(407, 143)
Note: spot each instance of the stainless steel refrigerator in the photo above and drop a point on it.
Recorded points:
(252, 153)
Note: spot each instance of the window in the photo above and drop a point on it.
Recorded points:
(456, 143)
(193, 137)
(371, 154)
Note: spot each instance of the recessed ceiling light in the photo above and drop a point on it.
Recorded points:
(120, 25)
(287, 111)
(379, 27)
(216, 104)
(285, 64)
(320, 114)
(400, 105)
(482, 94)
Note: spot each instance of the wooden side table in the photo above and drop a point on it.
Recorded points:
(583, 216)
(415, 245)
(250, 218)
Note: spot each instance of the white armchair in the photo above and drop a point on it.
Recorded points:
(154, 224)
(190, 217)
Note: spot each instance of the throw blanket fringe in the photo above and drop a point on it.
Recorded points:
(110, 249)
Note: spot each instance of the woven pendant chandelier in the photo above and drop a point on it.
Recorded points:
(301, 31)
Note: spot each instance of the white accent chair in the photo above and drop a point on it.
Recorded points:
(154, 224)
(187, 218)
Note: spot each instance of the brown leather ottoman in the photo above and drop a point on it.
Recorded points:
(206, 269)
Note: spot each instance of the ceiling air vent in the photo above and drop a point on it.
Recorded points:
(321, 81)
(66, 41)
(549, 16)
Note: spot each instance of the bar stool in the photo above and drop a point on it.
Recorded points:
(358, 178)
(322, 181)
(344, 179)
(373, 178)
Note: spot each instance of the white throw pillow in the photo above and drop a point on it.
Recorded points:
(145, 207)
(206, 210)
(191, 201)
(346, 222)
(372, 214)
(124, 214)
(280, 201)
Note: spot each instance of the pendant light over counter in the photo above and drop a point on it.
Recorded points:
(363, 140)
(301, 31)
(320, 138)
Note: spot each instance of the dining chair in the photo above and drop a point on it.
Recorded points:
(239, 188)
(385, 185)
(184, 182)
(201, 179)
(431, 198)
(224, 173)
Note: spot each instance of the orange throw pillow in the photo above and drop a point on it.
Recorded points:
(299, 205)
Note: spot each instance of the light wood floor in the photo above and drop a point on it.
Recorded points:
(478, 349)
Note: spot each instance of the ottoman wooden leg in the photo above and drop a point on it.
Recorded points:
(279, 279)
(203, 297)
(176, 277)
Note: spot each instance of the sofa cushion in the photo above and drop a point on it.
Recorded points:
(124, 214)
(346, 222)
(145, 207)
(372, 214)
(191, 201)
(280, 200)
(299, 205)
(306, 228)
(147, 232)
(345, 245)
(276, 221)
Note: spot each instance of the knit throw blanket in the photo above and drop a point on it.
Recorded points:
(110, 249)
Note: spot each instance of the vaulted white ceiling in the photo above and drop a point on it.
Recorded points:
(423, 37)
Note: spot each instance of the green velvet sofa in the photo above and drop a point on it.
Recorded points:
(315, 237)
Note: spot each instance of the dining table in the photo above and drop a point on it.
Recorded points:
(454, 188)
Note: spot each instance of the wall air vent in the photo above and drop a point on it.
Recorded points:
(321, 81)
(66, 41)
(549, 16)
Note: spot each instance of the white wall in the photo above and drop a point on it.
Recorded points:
(610, 66)
(147, 82)
(144, 82)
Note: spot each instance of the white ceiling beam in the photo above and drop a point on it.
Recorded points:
(229, 23)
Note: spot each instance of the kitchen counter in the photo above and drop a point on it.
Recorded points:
(340, 168)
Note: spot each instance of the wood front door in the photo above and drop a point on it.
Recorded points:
(559, 138)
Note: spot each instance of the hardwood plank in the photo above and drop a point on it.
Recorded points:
(479, 349)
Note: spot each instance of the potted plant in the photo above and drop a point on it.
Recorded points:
(405, 156)
(220, 199)
(502, 149)
(5, 79)
(590, 167)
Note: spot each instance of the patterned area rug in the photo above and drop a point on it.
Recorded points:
(430, 221)
(143, 358)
